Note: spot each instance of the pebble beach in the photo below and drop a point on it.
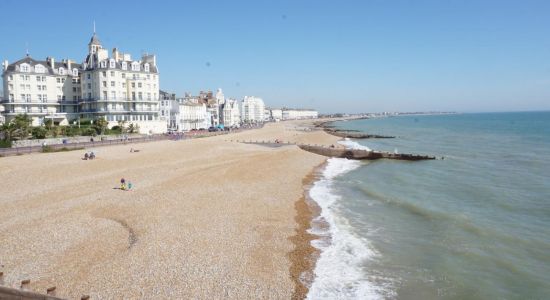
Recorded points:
(206, 218)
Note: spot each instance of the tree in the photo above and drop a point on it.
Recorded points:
(122, 126)
(21, 126)
(133, 128)
(100, 125)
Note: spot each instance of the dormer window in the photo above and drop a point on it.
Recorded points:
(103, 64)
(146, 67)
(111, 63)
(61, 71)
(39, 69)
(25, 68)
(135, 66)
(124, 66)
(75, 72)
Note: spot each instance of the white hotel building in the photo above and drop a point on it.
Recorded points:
(253, 110)
(116, 88)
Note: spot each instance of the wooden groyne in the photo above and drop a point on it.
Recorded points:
(361, 154)
(341, 152)
(353, 134)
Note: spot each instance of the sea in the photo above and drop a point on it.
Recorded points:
(473, 224)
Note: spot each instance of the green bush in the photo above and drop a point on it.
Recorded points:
(39, 132)
(85, 122)
(89, 131)
(5, 143)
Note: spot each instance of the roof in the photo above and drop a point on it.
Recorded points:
(33, 62)
(94, 40)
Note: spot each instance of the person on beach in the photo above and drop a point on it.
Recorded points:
(122, 184)
(129, 185)
(86, 156)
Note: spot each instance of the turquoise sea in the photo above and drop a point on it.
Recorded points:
(475, 225)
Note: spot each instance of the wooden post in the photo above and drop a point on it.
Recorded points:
(51, 291)
(25, 284)
(1, 278)
(85, 297)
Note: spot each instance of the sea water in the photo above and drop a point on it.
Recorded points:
(474, 225)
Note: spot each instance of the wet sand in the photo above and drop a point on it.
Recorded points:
(206, 218)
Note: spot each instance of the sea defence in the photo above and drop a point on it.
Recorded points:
(353, 134)
(361, 154)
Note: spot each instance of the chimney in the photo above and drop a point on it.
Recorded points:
(51, 60)
(69, 64)
(116, 54)
(5, 65)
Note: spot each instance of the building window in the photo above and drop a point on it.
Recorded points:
(74, 98)
(139, 84)
(146, 67)
(89, 86)
(10, 87)
(133, 95)
(148, 96)
(39, 87)
(112, 65)
(62, 80)
(104, 74)
(140, 96)
(74, 90)
(11, 97)
(89, 96)
(134, 76)
(124, 96)
(59, 98)
(58, 80)
(10, 77)
(112, 83)
(148, 76)
(24, 68)
(113, 73)
(61, 71)
(113, 95)
(124, 84)
(124, 65)
(75, 72)
(123, 75)
(104, 83)
(88, 75)
(104, 95)
(38, 78)
(133, 84)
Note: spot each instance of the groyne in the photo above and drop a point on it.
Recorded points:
(362, 154)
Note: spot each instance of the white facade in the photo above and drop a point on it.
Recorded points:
(276, 114)
(253, 109)
(116, 88)
(295, 114)
(231, 113)
(190, 116)
(41, 89)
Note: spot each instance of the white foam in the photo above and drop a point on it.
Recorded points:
(339, 272)
(353, 145)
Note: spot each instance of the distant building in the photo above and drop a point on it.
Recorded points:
(276, 114)
(166, 101)
(191, 116)
(231, 114)
(252, 110)
(296, 114)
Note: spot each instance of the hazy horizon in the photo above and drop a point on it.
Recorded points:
(349, 57)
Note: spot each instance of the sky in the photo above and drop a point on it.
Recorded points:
(334, 56)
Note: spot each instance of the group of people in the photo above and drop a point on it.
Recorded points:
(123, 185)
(87, 156)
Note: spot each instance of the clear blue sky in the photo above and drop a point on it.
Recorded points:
(351, 56)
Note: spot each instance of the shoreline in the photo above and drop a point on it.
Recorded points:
(304, 256)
